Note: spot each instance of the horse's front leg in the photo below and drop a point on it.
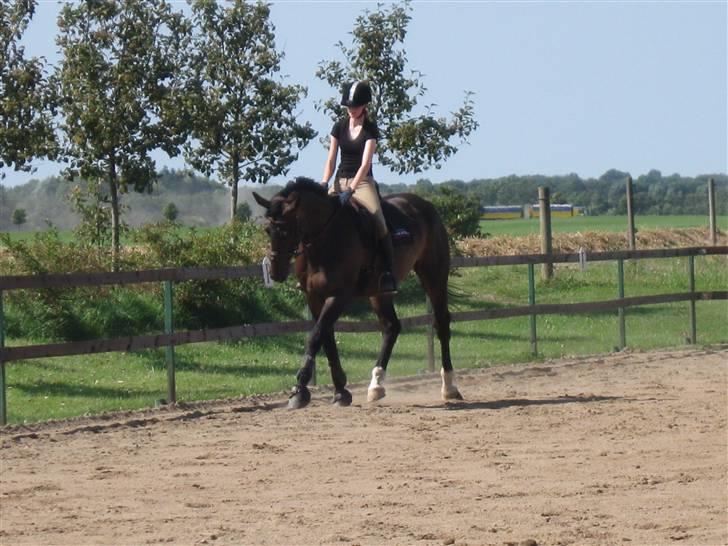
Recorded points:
(342, 397)
(322, 333)
(391, 327)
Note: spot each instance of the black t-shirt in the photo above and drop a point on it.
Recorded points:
(352, 151)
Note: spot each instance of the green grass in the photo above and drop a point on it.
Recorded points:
(53, 388)
(526, 226)
(531, 225)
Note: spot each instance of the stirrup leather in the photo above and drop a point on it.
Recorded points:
(387, 283)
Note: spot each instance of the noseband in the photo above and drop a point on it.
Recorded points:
(279, 228)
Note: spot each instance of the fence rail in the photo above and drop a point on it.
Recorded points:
(75, 280)
(170, 339)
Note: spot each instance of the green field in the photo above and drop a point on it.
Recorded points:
(526, 226)
(52, 388)
(531, 225)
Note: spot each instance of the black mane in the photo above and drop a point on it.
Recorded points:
(301, 183)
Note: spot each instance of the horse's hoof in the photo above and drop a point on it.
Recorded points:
(375, 393)
(300, 397)
(342, 398)
(451, 394)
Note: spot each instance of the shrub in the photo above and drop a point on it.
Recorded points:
(460, 213)
(170, 212)
(111, 311)
(19, 217)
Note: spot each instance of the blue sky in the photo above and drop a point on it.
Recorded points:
(560, 87)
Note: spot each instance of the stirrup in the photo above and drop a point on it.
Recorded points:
(387, 283)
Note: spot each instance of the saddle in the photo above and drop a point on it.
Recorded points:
(400, 226)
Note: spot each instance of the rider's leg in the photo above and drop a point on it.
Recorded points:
(366, 194)
(387, 282)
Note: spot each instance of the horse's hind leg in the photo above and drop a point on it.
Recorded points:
(391, 328)
(434, 281)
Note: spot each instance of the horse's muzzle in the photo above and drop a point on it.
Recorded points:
(280, 266)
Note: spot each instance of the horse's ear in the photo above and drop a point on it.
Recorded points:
(261, 201)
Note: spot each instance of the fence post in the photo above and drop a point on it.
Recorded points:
(544, 205)
(630, 215)
(711, 213)
(532, 301)
(169, 356)
(3, 392)
(430, 338)
(691, 288)
(620, 284)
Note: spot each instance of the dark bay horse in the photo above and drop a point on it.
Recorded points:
(336, 261)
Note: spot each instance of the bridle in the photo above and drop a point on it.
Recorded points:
(279, 228)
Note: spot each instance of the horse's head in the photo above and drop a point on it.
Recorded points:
(294, 214)
(282, 228)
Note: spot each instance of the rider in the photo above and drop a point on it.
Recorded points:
(357, 137)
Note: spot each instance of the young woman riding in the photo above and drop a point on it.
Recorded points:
(356, 137)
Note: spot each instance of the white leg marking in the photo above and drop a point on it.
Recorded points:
(376, 387)
(449, 390)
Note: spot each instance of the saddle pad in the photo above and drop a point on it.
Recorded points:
(401, 236)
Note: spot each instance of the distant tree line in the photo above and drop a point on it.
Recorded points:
(653, 192)
(200, 201)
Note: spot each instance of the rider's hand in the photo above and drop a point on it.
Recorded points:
(344, 196)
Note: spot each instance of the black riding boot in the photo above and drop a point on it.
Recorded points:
(387, 282)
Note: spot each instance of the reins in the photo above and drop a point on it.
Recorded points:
(308, 242)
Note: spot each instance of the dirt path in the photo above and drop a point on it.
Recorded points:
(620, 449)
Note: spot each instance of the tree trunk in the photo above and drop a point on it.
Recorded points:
(115, 221)
(235, 160)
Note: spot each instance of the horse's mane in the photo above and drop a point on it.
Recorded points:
(302, 183)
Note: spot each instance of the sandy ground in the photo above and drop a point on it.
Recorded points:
(619, 449)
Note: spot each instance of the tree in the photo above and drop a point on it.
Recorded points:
(19, 217)
(244, 120)
(460, 213)
(27, 101)
(243, 212)
(92, 205)
(170, 212)
(409, 143)
(120, 82)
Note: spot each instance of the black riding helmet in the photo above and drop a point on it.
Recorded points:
(356, 94)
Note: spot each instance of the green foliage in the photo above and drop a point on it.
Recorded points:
(410, 143)
(459, 213)
(19, 217)
(92, 205)
(84, 313)
(170, 212)
(243, 212)
(215, 303)
(27, 99)
(49, 313)
(120, 88)
(244, 118)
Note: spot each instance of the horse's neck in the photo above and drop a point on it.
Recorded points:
(314, 215)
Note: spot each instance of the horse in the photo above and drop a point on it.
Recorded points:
(336, 260)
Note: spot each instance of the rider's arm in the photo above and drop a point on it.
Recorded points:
(330, 165)
(366, 163)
